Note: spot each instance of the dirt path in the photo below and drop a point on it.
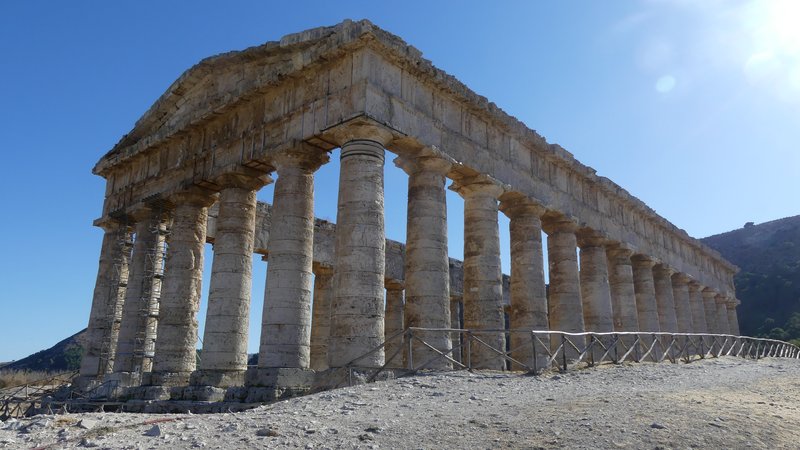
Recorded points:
(723, 403)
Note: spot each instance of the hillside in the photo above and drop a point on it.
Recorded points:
(65, 355)
(769, 281)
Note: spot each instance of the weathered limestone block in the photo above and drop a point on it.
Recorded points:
(175, 355)
(483, 283)
(528, 297)
(140, 309)
(223, 359)
(427, 278)
(662, 277)
(321, 318)
(394, 324)
(286, 319)
(109, 296)
(565, 306)
(357, 306)
(683, 312)
(710, 306)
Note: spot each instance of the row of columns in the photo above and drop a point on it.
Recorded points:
(612, 289)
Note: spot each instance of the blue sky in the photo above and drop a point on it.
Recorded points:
(694, 107)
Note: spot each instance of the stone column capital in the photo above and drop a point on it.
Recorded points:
(362, 130)
(515, 205)
(695, 286)
(146, 211)
(588, 237)
(664, 269)
(392, 285)
(708, 293)
(681, 278)
(111, 224)
(428, 160)
(243, 178)
(644, 261)
(619, 251)
(478, 185)
(721, 299)
(559, 223)
(304, 156)
(195, 196)
(320, 270)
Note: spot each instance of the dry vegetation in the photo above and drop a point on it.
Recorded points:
(12, 378)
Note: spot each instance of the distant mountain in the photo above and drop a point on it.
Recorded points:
(769, 281)
(64, 356)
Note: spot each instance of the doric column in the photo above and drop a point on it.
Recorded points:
(426, 266)
(662, 277)
(109, 296)
(394, 324)
(321, 318)
(357, 308)
(595, 290)
(223, 359)
(483, 284)
(140, 311)
(175, 355)
(683, 311)
(644, 287)
(710, 306)
(698, 310)
(722, 314)
(565, 308)
(623, 293)
(733, 319)
(286, 320)
(528, 297)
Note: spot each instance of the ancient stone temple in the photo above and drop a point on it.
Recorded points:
(188, 174)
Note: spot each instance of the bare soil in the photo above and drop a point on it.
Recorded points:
(718, 403)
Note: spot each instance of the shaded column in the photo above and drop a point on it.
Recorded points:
(140, 309)
(175, 355)
(394, 324)
(644, 288)
(223, 359)
(665, 300)
(483, 284)
(710, 306)
(623, 293)
(595, 290)
(565, 308)
(426, 266)
(286, 318)
(528, 298)
(107, 301)
(321, 318)
(455, 322)
(357, 308)
(698, 310)
(733, 319)
(683, 312)
(722, 314)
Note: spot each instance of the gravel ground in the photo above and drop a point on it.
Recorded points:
(721, 403)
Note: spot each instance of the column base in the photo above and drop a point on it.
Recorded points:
(125, 379)
(270, 384)
(167, 379)
(217, 378)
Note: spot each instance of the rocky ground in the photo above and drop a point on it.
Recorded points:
(721, 403)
